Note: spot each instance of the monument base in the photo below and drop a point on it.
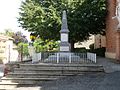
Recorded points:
(64, 47)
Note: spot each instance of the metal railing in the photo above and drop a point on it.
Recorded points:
(91, 56)
(60, 57)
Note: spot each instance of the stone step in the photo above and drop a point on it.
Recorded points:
(27, 88)
(59, 70)
(7, 85)
(37, 71)
(61, 67)
(31, 76)
(27, 80)
(57, 65)
(42, 74)
(37, 75)
(13, 86)
(63, 72)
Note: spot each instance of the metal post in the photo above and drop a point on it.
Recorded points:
(57, 57)
(21, 53)
(9, 53)
(70, 58)
(95, 58)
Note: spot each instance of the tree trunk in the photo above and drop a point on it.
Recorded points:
(72, 46)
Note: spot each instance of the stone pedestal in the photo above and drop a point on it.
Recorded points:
(64, 44)
(118, 45)
(64, 47)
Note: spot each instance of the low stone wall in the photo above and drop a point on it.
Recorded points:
(110, 55)
(9, 67)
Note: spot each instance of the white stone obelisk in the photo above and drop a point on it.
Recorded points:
(64, 45)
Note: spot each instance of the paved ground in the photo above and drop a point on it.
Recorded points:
(109, 64)
(86, 82)
(101, 81)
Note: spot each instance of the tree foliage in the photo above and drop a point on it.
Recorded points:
(23, 49)
(43, 17)
(17, 36)
(45, 45)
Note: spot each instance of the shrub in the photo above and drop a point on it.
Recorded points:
(81, 50)
(99, 51)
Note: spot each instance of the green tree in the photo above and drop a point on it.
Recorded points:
(45, 45)
(43, 17)
(23, 49)
(17, 36)
(9, 32)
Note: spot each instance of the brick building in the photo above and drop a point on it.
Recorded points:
(112, 33)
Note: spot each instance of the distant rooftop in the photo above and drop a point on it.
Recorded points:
(4, 37)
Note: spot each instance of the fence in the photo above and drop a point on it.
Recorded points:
(91, 56)
(60, 57)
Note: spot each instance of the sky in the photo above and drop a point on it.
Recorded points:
(8, 16)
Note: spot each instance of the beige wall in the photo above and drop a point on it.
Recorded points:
(86, 43)
(100, 41)
(6, 49)
(2, 49)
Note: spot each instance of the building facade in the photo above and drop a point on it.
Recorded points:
(86, 43)
(112, 33)
(100, 41)
(7, 52)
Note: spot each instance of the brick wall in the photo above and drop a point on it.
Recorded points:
(111, 29)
